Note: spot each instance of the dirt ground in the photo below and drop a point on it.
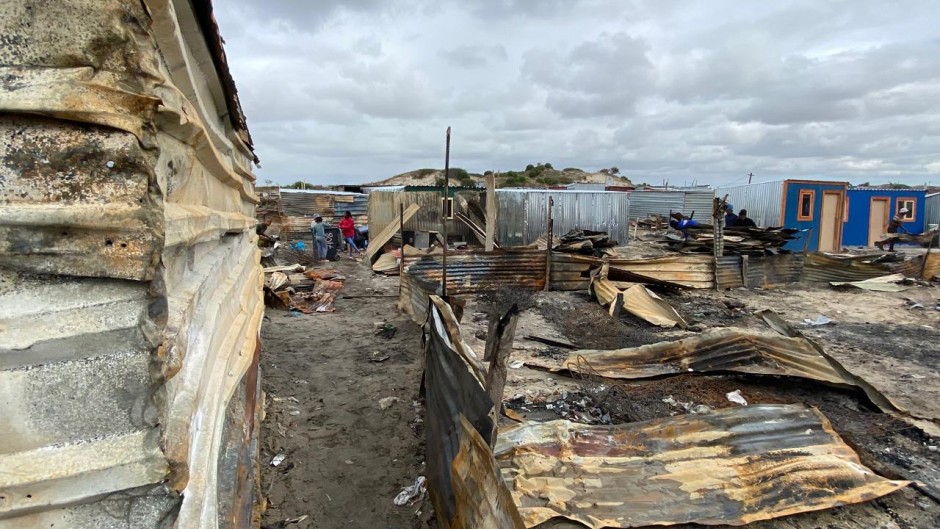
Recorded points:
(346, 457)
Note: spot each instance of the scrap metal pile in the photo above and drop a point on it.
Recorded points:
(586, 242)
(729, 466)
(298, 289)
(737, 240)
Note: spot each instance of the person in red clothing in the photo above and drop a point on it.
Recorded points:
(348, 228)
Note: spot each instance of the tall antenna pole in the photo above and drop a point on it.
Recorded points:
(444, 214)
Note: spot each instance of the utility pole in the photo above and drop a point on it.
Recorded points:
(749, 176)
(444, 215)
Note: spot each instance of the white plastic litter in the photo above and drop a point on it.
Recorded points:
(517, 364)
(412, 493)
(387, 402)
(820, 320)
(278, 459)
(736, 397)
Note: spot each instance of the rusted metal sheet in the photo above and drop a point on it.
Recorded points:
(637, 300)
(687, 271)
(823, 267)
(733, 466)
(414, 297)
(717, 350)
(915, 267)
(465, 486)
(770, 271)
(477, 271)
(572, 272)
(129, 255)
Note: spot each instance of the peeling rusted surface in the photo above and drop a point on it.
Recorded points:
(466, 487)
(686, 271)
(733, 466)
(477, 271)
(715, 351)
(127, 247)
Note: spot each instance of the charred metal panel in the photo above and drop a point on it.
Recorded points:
(130, 289)
(457, 402)
(683, 270)
(770, 271)
(733, 466)
(478, 271)
(822, 267)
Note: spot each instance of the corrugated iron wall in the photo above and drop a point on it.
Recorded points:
(763, 201)
(646, 203)
(523, 214)
(932, 209)
(131, 289)
(384, 207)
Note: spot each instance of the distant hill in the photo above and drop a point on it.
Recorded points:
(535, 176)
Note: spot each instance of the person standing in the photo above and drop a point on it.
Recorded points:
(348, 228)
(743, 221)
(319, 238)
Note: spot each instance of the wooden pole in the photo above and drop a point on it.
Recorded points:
(490, 239)
(923, 269)
(444, 216)
(401, 231)
(548, 251)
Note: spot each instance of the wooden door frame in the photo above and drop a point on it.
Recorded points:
(840, 213)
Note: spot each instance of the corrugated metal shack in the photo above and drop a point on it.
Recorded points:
(869, 211)
(385, 202)
(131, 297)
(523, 214)
(814, 206)
(932, 209)
(645, 203)
(292, 210)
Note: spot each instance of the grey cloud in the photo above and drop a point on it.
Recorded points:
(467, 56)
(598, 77)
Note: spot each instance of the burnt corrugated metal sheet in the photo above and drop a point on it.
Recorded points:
(478, 271)
(523, 214)
(916, 268)
(763, 201)
(733, 466)
(823, 267)
(572, 272)
(767, 271)
(466, 488)
(130, 272)
(688, 271)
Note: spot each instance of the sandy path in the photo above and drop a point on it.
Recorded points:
(346, 457)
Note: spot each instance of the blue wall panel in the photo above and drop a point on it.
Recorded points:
(855, 229)
(791, 194)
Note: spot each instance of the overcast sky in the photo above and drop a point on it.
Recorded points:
(359, 90)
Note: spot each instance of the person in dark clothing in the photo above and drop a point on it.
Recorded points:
(895, 226)
(730, 217)
(742, 220)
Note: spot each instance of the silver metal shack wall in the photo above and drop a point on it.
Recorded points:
(763, 202)
(130, 290)
(523, 214)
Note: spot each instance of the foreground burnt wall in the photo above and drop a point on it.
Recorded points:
(130, 294)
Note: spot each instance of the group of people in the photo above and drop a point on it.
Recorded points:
(347, 227)
(741, 220)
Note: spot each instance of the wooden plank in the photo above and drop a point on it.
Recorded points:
(490, 236)
(376, 244)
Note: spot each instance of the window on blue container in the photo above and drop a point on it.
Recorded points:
(807, 197)
(909, 204)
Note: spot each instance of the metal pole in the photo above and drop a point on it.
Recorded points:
(923, 269)
(444, 214)
(548, 252)
(401, 231)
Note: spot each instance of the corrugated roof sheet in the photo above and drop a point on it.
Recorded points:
(734, 466)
